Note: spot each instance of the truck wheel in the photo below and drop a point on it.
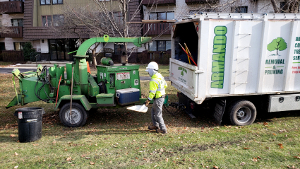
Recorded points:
(242, 113)
(76, 118)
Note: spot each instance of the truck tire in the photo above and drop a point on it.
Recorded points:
(78, 116)
(242, 113)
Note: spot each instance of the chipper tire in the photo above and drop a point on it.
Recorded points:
(242, 113)
(78, 116)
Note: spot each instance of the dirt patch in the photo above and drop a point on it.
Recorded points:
(51, 118)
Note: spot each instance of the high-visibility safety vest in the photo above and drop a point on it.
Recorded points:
(157, 86)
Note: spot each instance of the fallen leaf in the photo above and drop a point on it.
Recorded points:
(167, 159)
(297, 157)
(13, 135)
(54, 142)
(280, 146)
(69, 158)
(92, 163)
(258, 157)
(274, 134)
(15, 167)
(242, 163)
(16, 154)
(265, 123)
(246, 148)
(254, 159)
(215, 167)
(161, 150)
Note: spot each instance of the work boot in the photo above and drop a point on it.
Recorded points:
(152, 127)
(161, 131)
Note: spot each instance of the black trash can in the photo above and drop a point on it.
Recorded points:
(29, 123)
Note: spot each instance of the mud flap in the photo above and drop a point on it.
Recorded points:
(219, 110)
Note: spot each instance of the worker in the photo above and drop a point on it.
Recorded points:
(157, 93)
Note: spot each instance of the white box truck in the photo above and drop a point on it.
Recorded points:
(244, 64)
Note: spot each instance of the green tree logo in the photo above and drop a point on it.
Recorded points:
(182, 70)
(277, 44)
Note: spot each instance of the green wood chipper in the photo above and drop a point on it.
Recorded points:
(79, 91)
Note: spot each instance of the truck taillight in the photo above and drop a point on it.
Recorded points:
(192, 105)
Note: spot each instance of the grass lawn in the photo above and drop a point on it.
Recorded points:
(118, 138)
(5, 64)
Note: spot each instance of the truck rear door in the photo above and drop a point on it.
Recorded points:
(183, 70)
(184, 77)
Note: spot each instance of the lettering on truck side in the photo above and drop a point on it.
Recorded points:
(218, 57)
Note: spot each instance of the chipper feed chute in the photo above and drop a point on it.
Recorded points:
(138, 108)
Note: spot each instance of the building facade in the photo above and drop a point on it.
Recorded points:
(175, 9)
(42, 26)
(43, 23)
(11, 34)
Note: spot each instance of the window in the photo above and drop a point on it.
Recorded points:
(58, 20)
(160, 45)
(240, 9)
(55, 20)
(54, 2)
(48, 2)
(161, 16)
(194, 12)
(19, 45)
(168, 45)
(152, 46)
(59, 49)
(118, 18)
(45, 2)
(119, 48)
(47, 21)
(17, 22)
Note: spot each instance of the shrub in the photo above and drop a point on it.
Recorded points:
(28, 51)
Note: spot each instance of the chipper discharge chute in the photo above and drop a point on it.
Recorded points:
(79, 91)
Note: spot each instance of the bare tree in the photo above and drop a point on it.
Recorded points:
(288, 6)
(98, 18)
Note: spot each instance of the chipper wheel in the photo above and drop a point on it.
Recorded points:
(76, 118)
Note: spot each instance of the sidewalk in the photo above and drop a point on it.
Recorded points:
(43, 63)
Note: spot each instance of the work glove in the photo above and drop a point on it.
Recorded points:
(147, 102)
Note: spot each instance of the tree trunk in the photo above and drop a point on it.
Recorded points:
(94, 55)
(94, 58)
(276, 9)
(293, 6)
(290, 6)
